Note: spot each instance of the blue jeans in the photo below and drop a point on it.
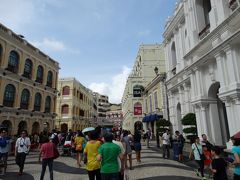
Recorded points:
(45, 163)
(110, 176)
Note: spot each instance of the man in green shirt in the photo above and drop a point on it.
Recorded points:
(108, 155)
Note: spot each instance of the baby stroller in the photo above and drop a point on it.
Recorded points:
(67, 148)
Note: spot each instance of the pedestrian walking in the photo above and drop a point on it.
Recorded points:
(236, 163)
(90, 156)
(79, 141)
(166, 144)
(219, 165)
(148, 137)
(180, 142)
(137, 144)
(47, 152)
(22, 148)
(128, 154)
(121, 162)
(197, 152)
(4, 147)
(205, 142)
(108, 155)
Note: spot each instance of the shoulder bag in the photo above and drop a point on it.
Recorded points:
(202, 156)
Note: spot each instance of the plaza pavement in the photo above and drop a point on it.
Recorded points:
(153, 167)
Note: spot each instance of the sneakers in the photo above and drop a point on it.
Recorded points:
(197, 173)
(204, 178)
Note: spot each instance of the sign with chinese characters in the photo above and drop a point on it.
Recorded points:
(137, 109)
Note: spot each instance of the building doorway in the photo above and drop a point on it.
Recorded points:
(64, 127)
(217, 111)
(22, 126)
(35, 128)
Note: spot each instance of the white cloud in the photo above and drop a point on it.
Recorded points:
(115, 88)
(144, 32)
(16, 13)
(50, 44)
(53, 45)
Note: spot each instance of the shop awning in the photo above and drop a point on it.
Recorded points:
(151, 118)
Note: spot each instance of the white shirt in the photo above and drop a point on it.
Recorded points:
(122, 151)
(166, 138)
(22, 144)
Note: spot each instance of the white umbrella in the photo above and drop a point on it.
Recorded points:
(88, 129)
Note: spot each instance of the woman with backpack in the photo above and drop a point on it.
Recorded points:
(78, 142)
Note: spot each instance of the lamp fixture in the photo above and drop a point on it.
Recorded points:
(156, 70)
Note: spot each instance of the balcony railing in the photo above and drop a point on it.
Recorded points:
(174, 71)
(233, 4)
(204, 32)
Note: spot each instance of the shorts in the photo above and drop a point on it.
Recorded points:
(137, 146)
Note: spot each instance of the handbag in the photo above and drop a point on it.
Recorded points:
(202, 156)
(55, 153)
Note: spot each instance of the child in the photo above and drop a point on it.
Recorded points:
(218, 165)
(208, 160)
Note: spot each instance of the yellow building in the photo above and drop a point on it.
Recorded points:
(155, 102)
(75, 105)
(27, 85)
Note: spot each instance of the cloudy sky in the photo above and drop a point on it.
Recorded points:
(95, 41)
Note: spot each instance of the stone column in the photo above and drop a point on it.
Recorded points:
(204, 119)
(232, 69)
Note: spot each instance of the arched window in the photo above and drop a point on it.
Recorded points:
(37, 102)
(49, 79)
(65, 109)
(48, 104)
(39, 78)
(9, 95)
(66, 90)
(28, 69)
(1, 52)
(13, 61)
(25, 99)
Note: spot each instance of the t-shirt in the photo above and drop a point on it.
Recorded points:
(4, 149)
(79, 141)
(47, 150)
(122, 151)
(219, 165)
(236, 150)
(22, 144)
(91, 150)
(109, 153)
(166, 138)
(208, 159)
(195, 151)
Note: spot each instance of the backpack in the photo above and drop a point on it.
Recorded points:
(3, 142)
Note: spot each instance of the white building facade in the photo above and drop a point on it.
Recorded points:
(202, 48)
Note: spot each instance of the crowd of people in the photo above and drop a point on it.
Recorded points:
(108, 155)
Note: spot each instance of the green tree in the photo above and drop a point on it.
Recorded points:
(189, 120)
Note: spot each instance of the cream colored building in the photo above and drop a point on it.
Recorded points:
(155, 101)
(115, 116)
(148, 58)
(27, 85)
(75, 105)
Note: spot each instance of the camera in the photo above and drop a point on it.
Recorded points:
(21, 145)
